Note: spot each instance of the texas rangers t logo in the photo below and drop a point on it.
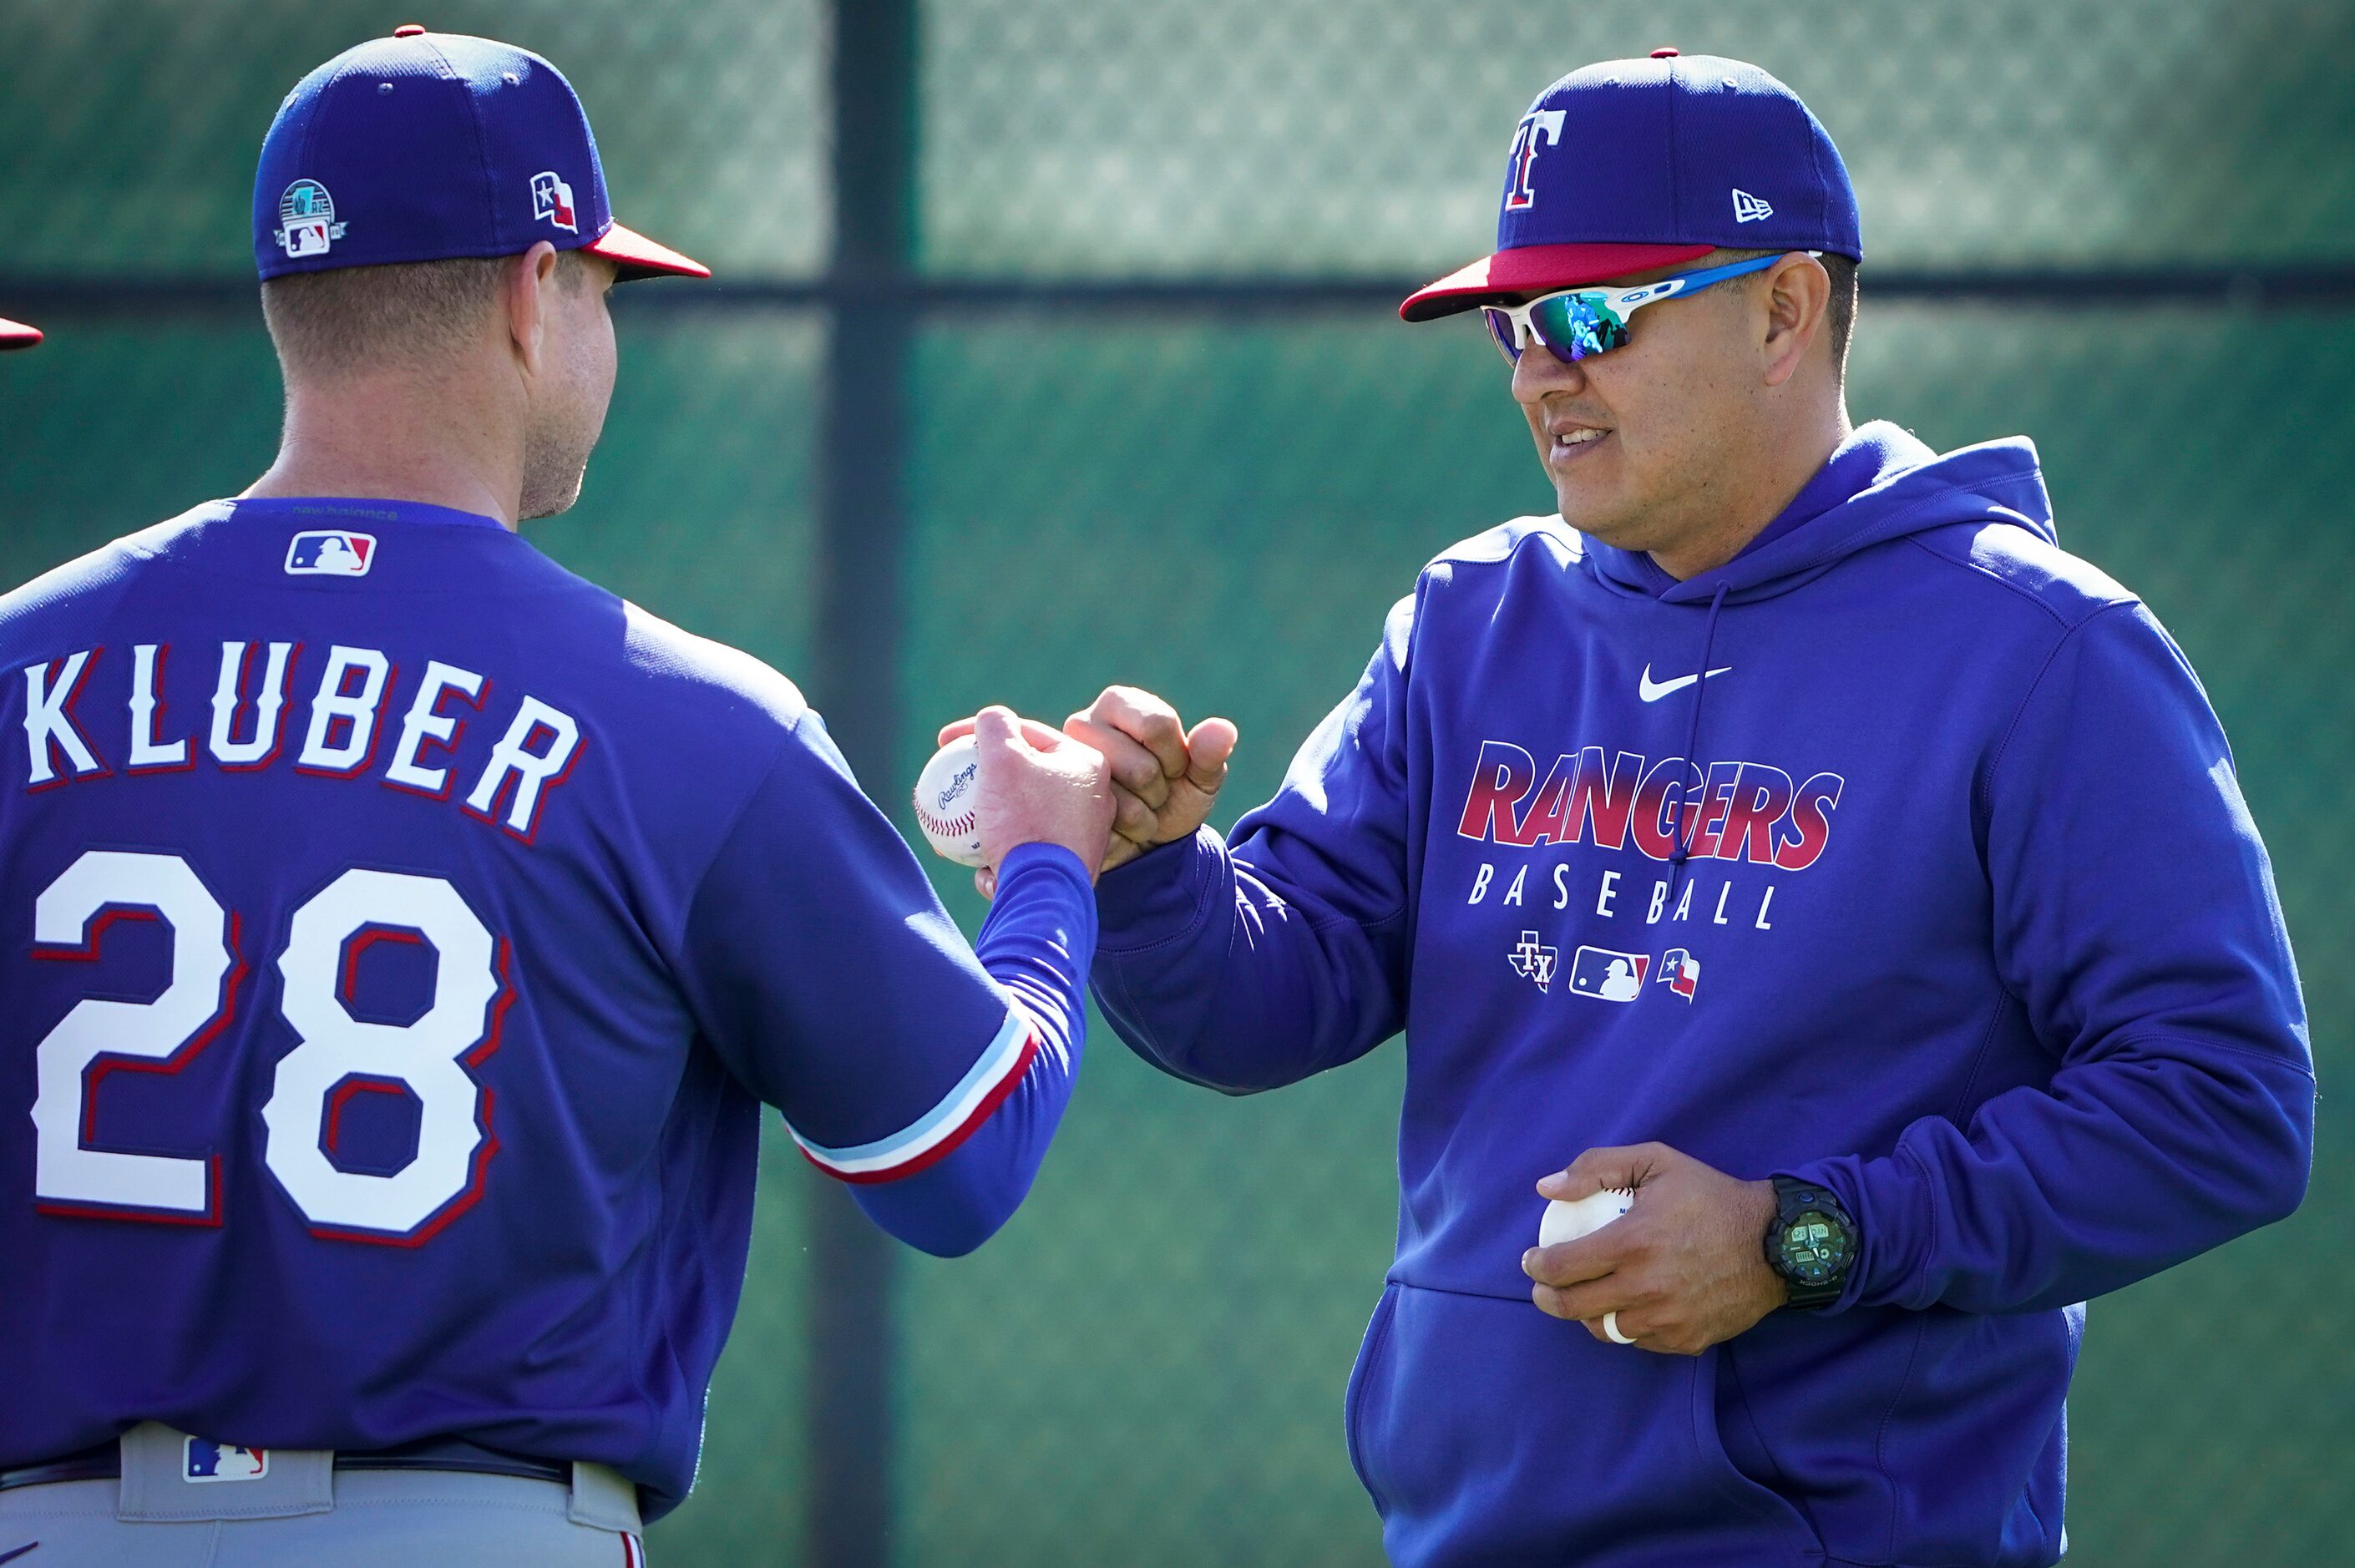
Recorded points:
(1518, 194)
(551, 199)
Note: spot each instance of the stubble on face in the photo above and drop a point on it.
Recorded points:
(565, 425)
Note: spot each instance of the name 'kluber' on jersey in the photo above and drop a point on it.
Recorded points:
(401, 934)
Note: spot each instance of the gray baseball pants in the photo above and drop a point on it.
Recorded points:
(305, 1514)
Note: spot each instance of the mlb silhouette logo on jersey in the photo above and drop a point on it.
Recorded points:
(551, 199)
(1608, 976)
(331, 552)
(205, 1461)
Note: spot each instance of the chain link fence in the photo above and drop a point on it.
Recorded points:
(1146, 1366)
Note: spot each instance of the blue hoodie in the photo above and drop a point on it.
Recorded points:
(1956, 909)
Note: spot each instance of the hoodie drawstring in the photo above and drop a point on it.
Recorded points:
(1692, 750)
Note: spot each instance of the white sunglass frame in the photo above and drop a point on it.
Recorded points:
(1621, 302)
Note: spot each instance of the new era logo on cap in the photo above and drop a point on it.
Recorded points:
(1747, 208)
(330, 553)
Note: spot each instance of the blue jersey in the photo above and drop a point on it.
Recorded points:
(401, 934)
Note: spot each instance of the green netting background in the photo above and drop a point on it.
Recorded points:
(1146, 1366)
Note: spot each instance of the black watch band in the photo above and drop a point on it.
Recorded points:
(1811, 1243)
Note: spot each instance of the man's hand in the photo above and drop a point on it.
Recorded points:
(1685, 1268)
(1037, 787)
(1164, 778)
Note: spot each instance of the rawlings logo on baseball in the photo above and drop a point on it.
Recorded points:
(945, 796)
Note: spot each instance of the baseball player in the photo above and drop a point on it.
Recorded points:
(1788, 831)
(16, 335)
(403, 934)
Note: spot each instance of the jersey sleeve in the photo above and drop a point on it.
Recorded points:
(822, 971)
(1253, 965)
(2136, 922)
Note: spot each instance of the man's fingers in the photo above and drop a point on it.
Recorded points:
(1042, 737)
(1599, 1169)
(1132, 766)
(1147, 720)
(1132, 818)
(1575, 1262)
(985, 882)
(1207, 751)
(994, 726)
(1579, 1303)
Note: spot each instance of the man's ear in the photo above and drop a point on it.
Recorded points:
(529, 281)
(1798, 294)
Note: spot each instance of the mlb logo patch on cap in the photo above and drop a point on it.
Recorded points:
(205, 1461)
(331, 552)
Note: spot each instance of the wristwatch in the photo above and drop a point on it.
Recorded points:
(1811, 1243)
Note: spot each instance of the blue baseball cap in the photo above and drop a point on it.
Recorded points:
(16, 335)
(427, 146)
(1631, 165)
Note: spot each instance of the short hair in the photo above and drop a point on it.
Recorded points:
(407, 313)
(1839, 310)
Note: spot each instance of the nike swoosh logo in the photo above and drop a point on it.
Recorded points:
(1652, 692)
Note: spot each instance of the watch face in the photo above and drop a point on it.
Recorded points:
(1816, 1246)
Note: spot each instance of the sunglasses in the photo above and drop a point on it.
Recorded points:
(1573, 323)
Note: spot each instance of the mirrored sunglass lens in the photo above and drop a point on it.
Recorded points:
(1501, 332)
(1575, 326)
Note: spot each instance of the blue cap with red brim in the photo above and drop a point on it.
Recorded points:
(1633, 165)
(430, 146)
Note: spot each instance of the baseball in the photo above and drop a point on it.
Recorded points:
(946, 793)
(1568, 1220)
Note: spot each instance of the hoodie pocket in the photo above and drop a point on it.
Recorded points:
(1714, 1373)
(1369, 1368)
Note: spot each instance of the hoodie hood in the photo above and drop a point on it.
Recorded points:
(1909, 490)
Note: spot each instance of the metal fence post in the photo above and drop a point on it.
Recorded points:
(862, 452)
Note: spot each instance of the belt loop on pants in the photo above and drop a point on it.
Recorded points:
(170, 1476)
(603, 1499)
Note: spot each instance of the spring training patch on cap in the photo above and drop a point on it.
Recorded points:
(306, 214)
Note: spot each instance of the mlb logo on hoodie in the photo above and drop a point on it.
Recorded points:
(330, 553)
(208, 1461)
(1608, 976)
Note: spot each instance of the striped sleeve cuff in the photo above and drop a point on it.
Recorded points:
(935, 1135)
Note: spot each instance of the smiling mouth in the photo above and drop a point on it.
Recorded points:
(1570, 445)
